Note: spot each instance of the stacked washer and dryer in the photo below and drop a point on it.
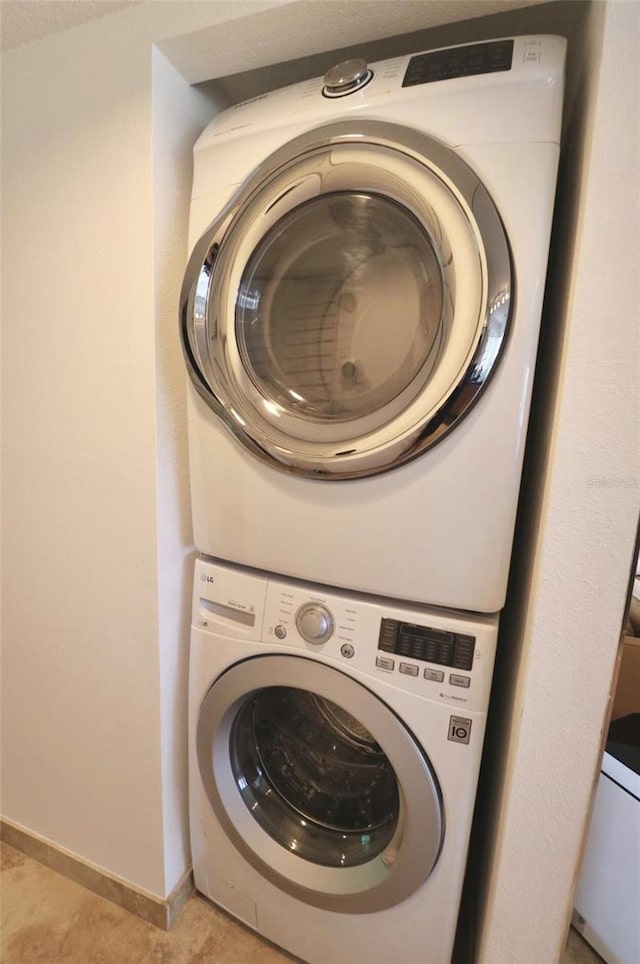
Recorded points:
(359, 320)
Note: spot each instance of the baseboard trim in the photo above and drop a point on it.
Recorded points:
(161, 913)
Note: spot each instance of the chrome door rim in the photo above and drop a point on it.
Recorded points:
(230, 240)
(411, 855)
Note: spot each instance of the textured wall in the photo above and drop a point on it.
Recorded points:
(179, 115)
(80, 700)
(567, 603)
(95, 529)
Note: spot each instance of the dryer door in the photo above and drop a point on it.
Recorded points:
(318, 784)
(346, 309)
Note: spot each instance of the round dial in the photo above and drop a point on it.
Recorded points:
(314, 622)
(346, 77)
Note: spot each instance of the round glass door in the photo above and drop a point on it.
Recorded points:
(318, 784)
(314, 777)
(315, 303)
(346, 309)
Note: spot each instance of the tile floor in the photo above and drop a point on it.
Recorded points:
(47, 919)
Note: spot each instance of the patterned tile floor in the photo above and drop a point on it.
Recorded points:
(47, 919)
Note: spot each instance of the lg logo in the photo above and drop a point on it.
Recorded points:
(206, 578)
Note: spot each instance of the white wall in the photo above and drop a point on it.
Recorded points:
(95, 177)
(179, 114)
(96, 533)
(581, 531)
(80, 701)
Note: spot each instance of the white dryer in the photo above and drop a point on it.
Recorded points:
(360, 318)
(335, 742)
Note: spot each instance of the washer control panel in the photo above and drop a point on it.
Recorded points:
(293, 614)
(433, 653)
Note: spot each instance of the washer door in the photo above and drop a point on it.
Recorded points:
(346, 309)
(318, 784)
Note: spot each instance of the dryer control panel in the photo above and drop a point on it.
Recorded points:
(467, 61)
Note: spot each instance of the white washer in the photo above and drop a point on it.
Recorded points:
(360, 318)
(335, 742)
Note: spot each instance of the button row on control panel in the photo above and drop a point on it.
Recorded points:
(410, 669)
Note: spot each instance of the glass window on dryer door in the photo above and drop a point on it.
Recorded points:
(319, 296)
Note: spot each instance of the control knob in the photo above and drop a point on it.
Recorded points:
(314, 622)
(345, 78)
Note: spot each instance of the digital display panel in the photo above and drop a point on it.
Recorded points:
(427, 644)
(469, 61)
